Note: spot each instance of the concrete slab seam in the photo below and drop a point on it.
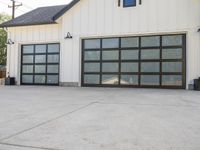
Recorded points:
(43, 123)
(25, 146)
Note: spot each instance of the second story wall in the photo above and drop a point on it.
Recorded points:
(97, 17)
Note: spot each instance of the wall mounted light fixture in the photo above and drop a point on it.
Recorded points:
(119, 3)
(198, 30)
(69, 36)
(10, 42)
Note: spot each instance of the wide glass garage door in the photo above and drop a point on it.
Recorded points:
(40, 64)
(144, 61)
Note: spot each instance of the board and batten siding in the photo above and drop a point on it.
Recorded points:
(103, 18)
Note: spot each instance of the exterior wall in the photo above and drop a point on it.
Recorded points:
(28, 35)
(103, 18)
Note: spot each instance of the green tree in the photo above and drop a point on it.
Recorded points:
(3, 38)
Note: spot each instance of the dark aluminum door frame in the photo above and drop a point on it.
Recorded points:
(34, 64)
(139, 73)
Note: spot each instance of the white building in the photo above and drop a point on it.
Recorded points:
(126, 43)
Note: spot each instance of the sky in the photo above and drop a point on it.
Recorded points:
(28, 5)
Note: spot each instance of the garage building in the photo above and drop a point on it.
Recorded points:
(107, 43)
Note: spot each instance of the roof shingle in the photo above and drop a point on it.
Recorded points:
(39, 16)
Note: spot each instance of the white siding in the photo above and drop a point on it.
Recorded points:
(106, 18)
(103, 18)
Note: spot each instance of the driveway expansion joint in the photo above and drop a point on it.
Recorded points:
(25, 146)
(48, 121)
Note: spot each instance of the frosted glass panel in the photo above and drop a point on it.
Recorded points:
(27, 68)
(110, 79)
(130, 42)
(92, 55)
(110, 55)
(91, 79)
(172, 67)
(110, 43)
(110, 67)
(172, 53)
(150, 80)
(130, 54)
(150, 41)
(129, 80)
(172, 80)
(92, 44)
(52, 79)
(53, 48)
(150, 54)
(40, 58)
(129, 67)
(28, 49)
(53, 69)
(40, 79)
(27, 59)
(92, 67)
(40, 49)
(150, 67)
(174, 40)
(40, 68)
(27, 79)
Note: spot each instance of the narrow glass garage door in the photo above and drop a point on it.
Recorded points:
(40, 64)
(145, 61)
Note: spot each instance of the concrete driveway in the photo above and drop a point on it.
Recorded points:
(59, 118)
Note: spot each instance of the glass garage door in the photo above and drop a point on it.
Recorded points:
(40, 64)
(145, 61)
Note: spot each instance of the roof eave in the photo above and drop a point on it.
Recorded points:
(32, 24)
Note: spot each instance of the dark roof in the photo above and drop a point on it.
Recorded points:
(39, 16)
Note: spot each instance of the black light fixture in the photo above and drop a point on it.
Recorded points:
(140, 2)
(10, 42)
(198, 30)
(119, 3)
(69, 36)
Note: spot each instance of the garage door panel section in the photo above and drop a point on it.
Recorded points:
(40, 64)
(142, 61)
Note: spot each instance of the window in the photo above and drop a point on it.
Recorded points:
(129, 3)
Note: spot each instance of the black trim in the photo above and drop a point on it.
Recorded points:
(139, 61)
